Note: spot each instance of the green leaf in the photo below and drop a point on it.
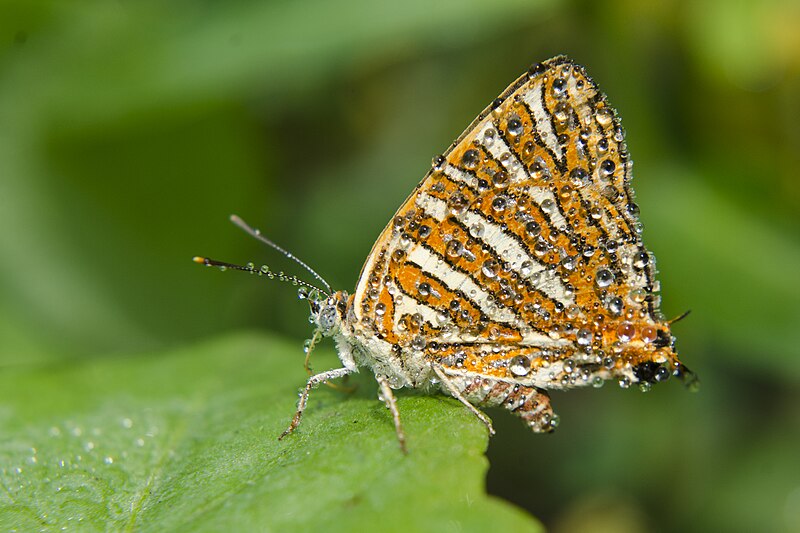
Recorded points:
(186, 440)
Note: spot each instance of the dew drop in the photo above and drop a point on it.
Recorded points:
(607, 168)
(520, 366)
(649, 334)
(499, 204)
(536, 70)
(514, 126)
(561, 112)
(500, 179)
(489, 136)
(533, 229)
(581, 147)
(638, 295)
(604, 116)
(454, 248)
(584, 336)
(615, 306)
(470, 159)
(560, 88)
(640, 259)
(579, 177)
(418, 343)
(625, 331)
(527, 149)
(539, 169)
(457, 203)
(569, 262)
(477, 230)
(662, 374)
(490, 269)
(424, 289)
(604, 278)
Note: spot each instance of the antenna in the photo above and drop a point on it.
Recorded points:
(257, 234)
(263, 271)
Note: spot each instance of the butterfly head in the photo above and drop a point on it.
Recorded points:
(328, 312)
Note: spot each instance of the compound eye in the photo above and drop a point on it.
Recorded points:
(327, 318)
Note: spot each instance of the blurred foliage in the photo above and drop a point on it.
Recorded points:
(129, 131)
(130, 448)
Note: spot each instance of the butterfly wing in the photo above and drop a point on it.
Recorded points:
(519, 256)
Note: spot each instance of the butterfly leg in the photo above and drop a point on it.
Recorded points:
(312, 343)
(310, 348)
(453, 390)
(388, 398)
(313, 381)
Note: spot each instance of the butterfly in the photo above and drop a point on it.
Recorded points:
(515, 267)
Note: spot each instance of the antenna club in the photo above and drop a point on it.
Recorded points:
(200, 260)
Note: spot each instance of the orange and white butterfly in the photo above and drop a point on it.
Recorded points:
(515, 266)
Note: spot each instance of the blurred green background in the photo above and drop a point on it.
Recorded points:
(129, 131)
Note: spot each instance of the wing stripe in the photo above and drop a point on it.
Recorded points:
(535, 102)
(455, 280)
(504, 246)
